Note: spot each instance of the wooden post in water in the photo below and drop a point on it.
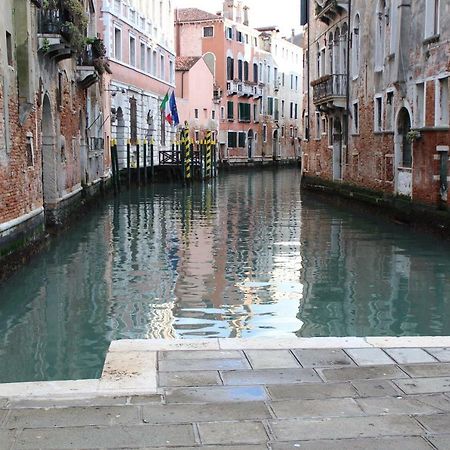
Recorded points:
(145, 161)
(129, 161)
(116, 163)
(209, 160)
(138, 162)
(152, 162)
(113, 166)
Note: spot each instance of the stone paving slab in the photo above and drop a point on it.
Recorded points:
(269, 376)
(427, 370)
(6, 439)
(441, 442)
(322, 357)
(311, 391)
(77, 417)
(332, 407)
(369, 356)
(424, 385)
(377, 406)
(362, 373)
(437, 423)
(441, 354)
(106, 437)
(232, 433)
(376, 388)
(180, 413)
(203, 364)
(151, 345)
(344, 428)
(216, 394)
(271, 359)
(197, 378)
(403, 443)
(410, 355)
(200, 354)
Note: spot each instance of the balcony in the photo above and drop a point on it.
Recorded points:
(328, 10)
(90, 64)
(330, 91)
(258, 90)
(232, 87)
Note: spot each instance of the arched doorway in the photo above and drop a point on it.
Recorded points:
(49, 172)
(250, 141)
(403, 154)
(275, 145)
(337, 149)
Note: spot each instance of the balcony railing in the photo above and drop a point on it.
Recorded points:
(329, 87)
(50, 21)
(258, 91)
(328, 10)
(232, 87)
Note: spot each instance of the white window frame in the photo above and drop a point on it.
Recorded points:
(118, 56)
(419, 119)
(442, 115)
(203, 31)
(355, 127)
(130, 37)
(378, 102)
(432, 18)
(392, 118)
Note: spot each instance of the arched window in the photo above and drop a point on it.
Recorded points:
(230, 68)
(356, 49)
(240, 69)
(337, 51)
(330, 54)
(255, 73)
(379, 35)
(245, 71)
(343, 48)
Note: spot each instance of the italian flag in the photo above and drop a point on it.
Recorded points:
(165, 108)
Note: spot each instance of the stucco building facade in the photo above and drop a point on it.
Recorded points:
(252, 71)
(376, 110)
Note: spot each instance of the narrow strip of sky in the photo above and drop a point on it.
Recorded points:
(283, 13)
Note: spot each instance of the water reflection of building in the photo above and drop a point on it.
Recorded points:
(366, 277)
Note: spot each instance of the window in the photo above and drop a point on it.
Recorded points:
(171, 72)
(230, 110)
(324, 125)
(296, 80)
(283, 131)
(232, 139)
(239, 37)
(356, 49)
(240, 69)
(195, 113)
(154, 63)
(162, 67)
(222, 113)
(389, 123)
(442, 116)
(317, 126)
(9, 49)
(242, 139)
(255, 113)
(149, 60)
(143, 51)
(269, 74)
(230, 68)
(296, 111)
(379, 35)
(132, 51)
(393, 24)
(133, 120)
(30, 150)
(378, 114)
(196, 136)
(255, 73)
(355, 118)
(291, 110)
(419, 104)
(431, 18)
(270, 106)
(208, 31)
(117, 43)
(117, 5)
(244, 112)
(213, 114)
(245, 71)
(282, 108)
(229, 33)
(330, 131)
(264, 133)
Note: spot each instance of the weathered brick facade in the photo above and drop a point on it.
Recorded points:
(394, 58)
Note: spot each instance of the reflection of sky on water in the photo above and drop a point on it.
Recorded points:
(246, 256)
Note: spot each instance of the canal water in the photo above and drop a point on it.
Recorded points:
(249, 255)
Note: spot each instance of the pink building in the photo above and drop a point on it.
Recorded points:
(248, 67)
(195, 89)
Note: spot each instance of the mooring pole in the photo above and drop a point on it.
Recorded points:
(116, 161)
(152, 162)
(129, 162)
(138, 162)
(145, 161)
(113, 166)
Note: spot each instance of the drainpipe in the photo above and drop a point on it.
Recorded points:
(347, 121)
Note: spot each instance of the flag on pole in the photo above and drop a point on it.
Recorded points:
(165, 109)
(173, 109)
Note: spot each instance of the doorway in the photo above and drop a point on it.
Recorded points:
(250, 144)
(403, 154)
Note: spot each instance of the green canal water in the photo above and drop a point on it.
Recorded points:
(249, 255)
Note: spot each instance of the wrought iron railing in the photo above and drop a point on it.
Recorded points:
(50, 21)
(329, 87)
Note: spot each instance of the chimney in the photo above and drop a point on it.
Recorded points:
(246, 21)
(239, 12)
(229, 10)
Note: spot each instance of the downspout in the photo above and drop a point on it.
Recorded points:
(347, 121)
(308, 75)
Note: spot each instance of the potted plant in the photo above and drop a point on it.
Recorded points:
(413, 135)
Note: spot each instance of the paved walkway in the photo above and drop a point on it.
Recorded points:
(252, 398)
